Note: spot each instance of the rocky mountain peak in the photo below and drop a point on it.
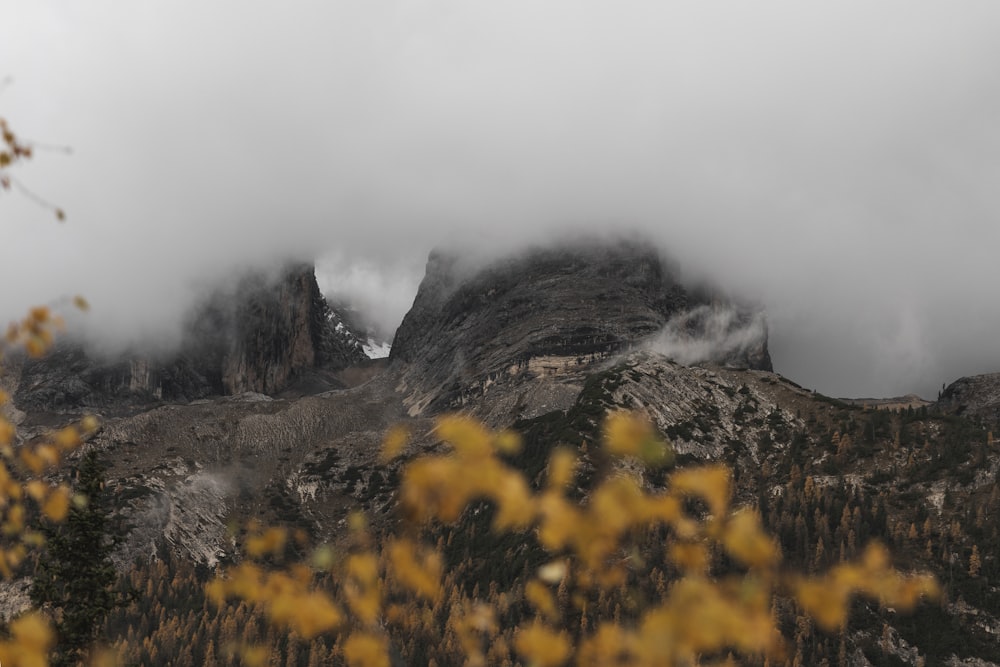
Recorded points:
(256, 337)
(546, 311)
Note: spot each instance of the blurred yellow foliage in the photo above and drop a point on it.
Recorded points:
(270, 541)
(23, 466)
(417, 568)
(30, 642)
(543, 646)
(366, 650)
(697, 615)
(394, 443)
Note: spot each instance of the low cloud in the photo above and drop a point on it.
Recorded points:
(834, 161)
(710, 333)
(380, 294)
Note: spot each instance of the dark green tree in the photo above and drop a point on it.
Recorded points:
(74, 578)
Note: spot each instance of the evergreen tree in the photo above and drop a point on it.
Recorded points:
(74, 577)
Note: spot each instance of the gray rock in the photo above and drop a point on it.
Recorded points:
(977, 397)
(543, 313)
(260, 339)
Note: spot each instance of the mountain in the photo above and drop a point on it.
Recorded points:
(261, 336)
(363, 333)
(473, 333)
(547, 343)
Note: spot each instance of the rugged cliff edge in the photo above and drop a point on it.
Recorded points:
(546, 312)
(257, 337)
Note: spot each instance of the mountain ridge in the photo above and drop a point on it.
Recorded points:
(547, 311)
(257, 337)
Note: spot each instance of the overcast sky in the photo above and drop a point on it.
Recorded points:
(838, 161)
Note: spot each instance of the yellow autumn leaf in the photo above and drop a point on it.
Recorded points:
(421, 573)
(270, 542)
(363, 567)
(32, 633)
(363, 649)
(7, 432)
(362, 587)
(89, 424)
(35, 347)
(216, 591)
(315, 614)
(66, 438)
(542, 646)
(624, 432)
(825, 600)
(39, 314)
(56, 506)
(710, 482)
(394, 443)
(515, 504)
(15, 520)
(540, 597)
(254, 656)
(15, 555)
(607, 646)
(323, 557)
(469, 438)
(31, 460)
(12, 491)
(508, 442)
(746, 541)
(37, 489)
(691, 557)
(562, 465)
(559, 521)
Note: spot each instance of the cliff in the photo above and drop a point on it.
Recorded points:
(258, 338)
(550, 311)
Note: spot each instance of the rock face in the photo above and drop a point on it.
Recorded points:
(273, 332)
(256, 339)
(543, 313)
(976, 397)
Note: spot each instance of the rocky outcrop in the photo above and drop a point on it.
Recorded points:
(256, 338)
(277, 330)
(182, 473)
(976, 397)
(547, 312)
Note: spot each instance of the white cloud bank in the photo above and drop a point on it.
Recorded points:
(710, 333)
(836, 161)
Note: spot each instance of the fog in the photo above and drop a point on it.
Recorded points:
(709, 333)
(836, 162)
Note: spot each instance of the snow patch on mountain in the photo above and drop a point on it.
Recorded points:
(376, 349)
(352, 326)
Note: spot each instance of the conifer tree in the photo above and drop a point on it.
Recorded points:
(74, 577)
